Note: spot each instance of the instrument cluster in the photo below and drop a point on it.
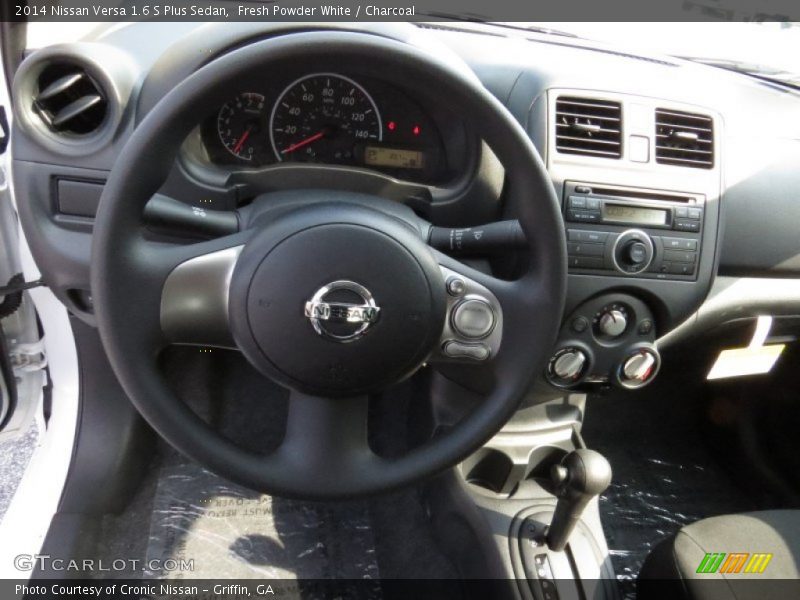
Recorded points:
(327, 118)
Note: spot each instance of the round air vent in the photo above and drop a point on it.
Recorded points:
(71, 98)
(69, 101)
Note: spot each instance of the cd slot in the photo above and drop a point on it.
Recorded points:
(623, 194)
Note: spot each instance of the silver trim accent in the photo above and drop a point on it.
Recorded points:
(473, 291)
(645, 239)
(194, 300)
(113, 70)
(365, 314)
(570, 364)
(634, 384)
(461, 306)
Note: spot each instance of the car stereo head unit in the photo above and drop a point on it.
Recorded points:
(633, 231)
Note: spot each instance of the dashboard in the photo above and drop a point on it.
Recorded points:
(327, 118)
(671, 175)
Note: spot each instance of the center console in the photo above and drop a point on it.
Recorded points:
(639, 181)
(618, 234)
(630, 234)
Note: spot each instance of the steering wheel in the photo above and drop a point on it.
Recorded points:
(336, 296)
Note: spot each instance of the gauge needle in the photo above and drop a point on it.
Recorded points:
(304, 142)
(243, 139)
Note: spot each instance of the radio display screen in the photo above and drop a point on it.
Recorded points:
(634, 214)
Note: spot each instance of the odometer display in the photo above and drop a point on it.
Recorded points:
(324, 118)
(393, 157)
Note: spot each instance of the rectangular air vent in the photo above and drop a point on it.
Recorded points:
(588, 127)
(684, 139)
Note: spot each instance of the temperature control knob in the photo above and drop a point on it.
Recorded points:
(639, 368)
(568, 366)
(612, 323)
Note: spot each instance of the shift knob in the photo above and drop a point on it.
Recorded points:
(582, 475)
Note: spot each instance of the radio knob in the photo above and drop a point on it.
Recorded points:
(636, 253)
(633, 251)
(613, 323)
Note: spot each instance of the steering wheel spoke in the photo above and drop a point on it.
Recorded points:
(194, 296)
(326, 440)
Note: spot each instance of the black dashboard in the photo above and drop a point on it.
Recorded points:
(675, 178)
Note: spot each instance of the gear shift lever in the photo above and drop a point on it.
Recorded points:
(582, 475)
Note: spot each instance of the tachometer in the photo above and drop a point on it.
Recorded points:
(240, 124)
(324, 118)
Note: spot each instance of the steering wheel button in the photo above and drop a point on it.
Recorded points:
(473, 351)
(473, 319)
(456, 286)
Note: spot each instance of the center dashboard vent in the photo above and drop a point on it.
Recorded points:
(69, 101)
(588, 127)
(684, 139)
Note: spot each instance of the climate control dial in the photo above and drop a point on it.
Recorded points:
(639, 368)
(613, 323)
(568, 366)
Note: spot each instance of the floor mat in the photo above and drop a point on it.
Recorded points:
(182, 510)
(211, 528)
(665, 475)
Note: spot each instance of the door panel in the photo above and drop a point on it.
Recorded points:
(22, 362)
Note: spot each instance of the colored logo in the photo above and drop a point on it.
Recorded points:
(734, 562)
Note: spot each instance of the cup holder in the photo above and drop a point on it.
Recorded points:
(501, 471)
(542, 460)
(488, 468)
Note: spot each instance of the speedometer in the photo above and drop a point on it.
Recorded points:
(326, 118)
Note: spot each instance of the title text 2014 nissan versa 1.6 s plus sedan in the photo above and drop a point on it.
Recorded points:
(442, 310)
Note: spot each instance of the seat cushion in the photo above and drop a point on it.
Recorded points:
(747, 556)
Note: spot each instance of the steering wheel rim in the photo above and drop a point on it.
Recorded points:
(129, 274)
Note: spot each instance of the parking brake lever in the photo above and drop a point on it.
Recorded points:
(581, 476)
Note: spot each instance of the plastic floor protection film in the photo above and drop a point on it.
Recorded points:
(214, 529)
